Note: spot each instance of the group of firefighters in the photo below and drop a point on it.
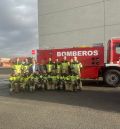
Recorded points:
(58, 75)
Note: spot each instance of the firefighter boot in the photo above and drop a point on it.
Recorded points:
(43, 84)
(48, 85)
(52, 86)
(16, 87)
(11, 87)
(67, 86)
(61, 85)
(71, 87)
(79, 85)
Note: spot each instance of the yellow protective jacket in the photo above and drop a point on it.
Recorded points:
(25, 67)
(65, 67)
(17, 68)
(49, 67)
(75, 67)
(58, 68)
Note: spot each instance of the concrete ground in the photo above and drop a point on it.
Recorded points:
(96, 107)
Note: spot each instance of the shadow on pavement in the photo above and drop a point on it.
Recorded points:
(93, 96)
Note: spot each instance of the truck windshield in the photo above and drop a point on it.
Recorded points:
(118, 48)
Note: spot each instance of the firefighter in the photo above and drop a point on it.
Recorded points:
(65, 66)
(49, 66)
(75, 68)
(64, 71)
(25, 75)
(34, 75)
(17, 67)
(67, 78)
(49, 69)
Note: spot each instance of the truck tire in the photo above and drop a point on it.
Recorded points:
(112, 77)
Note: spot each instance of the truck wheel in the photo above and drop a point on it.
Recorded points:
(112, 77)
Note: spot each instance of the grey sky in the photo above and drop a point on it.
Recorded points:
(18, 27)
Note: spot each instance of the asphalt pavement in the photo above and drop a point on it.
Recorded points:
(96, 107)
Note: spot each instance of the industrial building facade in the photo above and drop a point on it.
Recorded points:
(72, 23)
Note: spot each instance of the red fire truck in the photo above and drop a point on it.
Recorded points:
(92, 59)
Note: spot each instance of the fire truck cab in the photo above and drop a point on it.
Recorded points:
(92, 58)
(111, 72)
